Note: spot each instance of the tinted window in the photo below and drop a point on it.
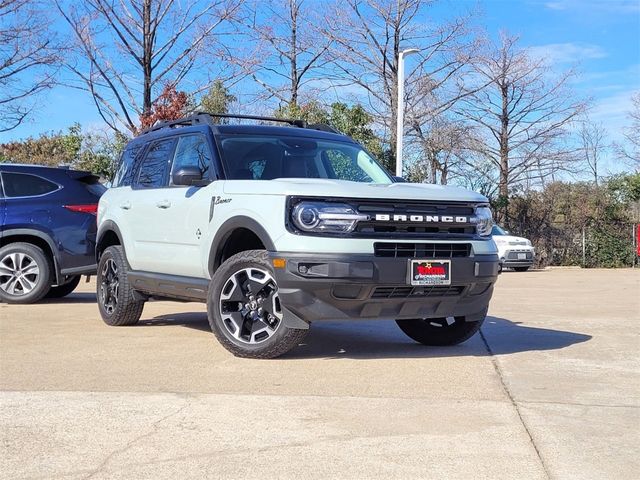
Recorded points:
(25, 185)
(94, 186)
(192, 151)
(268, 157)
(153, 170)
(344, 167)
(124, 174)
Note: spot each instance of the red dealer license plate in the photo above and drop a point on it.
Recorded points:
(430, 272)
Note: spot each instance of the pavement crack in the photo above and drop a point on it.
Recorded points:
(129, 444)
(498, 370)
(576, 404)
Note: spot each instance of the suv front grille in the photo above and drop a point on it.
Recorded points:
(513, 255)
(407, 292)
(408, 228)
(421, 250)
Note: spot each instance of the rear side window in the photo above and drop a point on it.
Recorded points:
(26, 185)
(192, 151)
(155, 166)
(124, 174)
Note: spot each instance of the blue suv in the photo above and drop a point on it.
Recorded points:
(47, 230)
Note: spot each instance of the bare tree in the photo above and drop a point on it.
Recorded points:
(290, 52)
(127, 51)
(630, 153)
(593, 142)
(28, 59)
(367, 38)
(522, 115)
(442, 141)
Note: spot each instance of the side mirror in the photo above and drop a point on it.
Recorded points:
(188, 176)
(400, 180)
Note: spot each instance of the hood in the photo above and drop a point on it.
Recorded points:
(510, 240)
(319, 187)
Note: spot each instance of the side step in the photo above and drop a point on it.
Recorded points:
(169, 286)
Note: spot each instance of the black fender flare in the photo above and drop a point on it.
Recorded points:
(105, 227)
(226, 229)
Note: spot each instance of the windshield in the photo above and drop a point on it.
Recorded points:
(248, 157)
(496, 230)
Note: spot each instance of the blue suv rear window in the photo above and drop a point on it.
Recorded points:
(26, 185)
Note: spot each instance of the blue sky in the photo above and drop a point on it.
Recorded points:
(600, 37)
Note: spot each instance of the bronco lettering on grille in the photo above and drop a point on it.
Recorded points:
(385, 217)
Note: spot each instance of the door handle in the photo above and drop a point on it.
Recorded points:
(125, 205)
(163, 204)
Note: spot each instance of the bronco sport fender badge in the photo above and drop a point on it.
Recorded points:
(217, 200)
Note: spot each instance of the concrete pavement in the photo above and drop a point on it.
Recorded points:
(551, 389)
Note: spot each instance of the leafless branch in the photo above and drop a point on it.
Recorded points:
(125, 51)
(29, 57)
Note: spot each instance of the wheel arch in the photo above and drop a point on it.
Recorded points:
(108, 235)
(236, 235)
(35, 237)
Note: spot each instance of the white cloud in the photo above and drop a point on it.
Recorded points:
(570, 52)
(556, 5)
(613, 112)
(601, 6)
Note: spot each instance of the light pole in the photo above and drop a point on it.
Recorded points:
(400, 112)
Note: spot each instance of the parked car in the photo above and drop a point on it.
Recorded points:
(276, 227)
(47, 230)
(514, 252)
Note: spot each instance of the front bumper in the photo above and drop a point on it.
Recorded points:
(514, 257)
(351, 286)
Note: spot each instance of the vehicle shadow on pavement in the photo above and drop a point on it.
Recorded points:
(80, 297)
(195, 320)
(384, 339)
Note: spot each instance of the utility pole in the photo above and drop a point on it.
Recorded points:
(400, 113)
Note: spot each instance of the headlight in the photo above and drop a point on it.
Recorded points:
(483, 220)
(320, 217)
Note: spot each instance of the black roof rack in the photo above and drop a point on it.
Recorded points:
(323, 127)
(206, 118)
(291, 121)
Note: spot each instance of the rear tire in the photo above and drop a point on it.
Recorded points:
(64, 289)
(439, 332)
(25, 273)
(244, 308)
(116, 301)
(521, 269)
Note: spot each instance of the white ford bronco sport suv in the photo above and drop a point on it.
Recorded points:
(276, 227)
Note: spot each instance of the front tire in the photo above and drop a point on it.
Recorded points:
(25, 273)
(439, 332)
(116, 301)
(244, 308)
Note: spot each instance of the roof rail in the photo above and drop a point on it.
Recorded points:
(291, 121)
(323, 127)
(196, 119)
(200, 118)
